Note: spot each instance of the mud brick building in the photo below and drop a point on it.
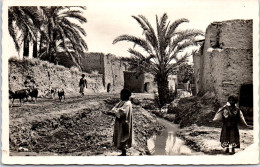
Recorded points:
(109, 66)
(145, 82)
(225, 63)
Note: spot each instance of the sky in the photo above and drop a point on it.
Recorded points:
(107, 19)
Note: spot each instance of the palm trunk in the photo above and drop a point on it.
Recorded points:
(163, 90)
(35, 49)
(40, 47)
(26, 46)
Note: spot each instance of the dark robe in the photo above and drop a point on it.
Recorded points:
(230, 133)
(123, 128)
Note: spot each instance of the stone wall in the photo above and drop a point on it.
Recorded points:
(226, 60)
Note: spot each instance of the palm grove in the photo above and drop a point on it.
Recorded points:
(58, 29)
(50, 29)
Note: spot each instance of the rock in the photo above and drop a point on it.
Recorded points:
(22, 149)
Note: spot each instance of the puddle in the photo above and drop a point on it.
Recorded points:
(167, 143)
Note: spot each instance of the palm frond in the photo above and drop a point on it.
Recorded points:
(174, 25)
(138, 41)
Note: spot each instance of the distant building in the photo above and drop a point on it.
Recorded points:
(145, 82)
(109, 66)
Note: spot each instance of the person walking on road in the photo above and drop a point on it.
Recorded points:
(82, 85)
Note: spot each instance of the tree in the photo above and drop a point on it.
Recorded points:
(56, 28)
(185, 73)
(61, 33)
(26, 20)
(161, 49)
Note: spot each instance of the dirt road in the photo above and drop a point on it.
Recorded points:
(75, 126)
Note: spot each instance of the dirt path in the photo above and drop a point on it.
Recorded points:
(75, 126)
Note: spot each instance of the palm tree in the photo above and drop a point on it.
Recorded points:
(62, 33)
(161, 49)
(24, 20)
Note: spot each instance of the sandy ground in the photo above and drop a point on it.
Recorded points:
(206, 139)
(75, 126)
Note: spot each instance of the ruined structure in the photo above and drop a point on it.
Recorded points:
(224, 65)
(109, 66)
(145, 82)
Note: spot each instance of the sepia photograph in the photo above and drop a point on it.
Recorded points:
(130, 82)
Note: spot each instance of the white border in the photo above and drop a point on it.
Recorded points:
(251, 156)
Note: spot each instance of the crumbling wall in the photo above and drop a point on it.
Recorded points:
(110, 66)
(93, 62)
(47, 76)
(226, 61)
(145, 82)
(113, 73)
(231, 69)
(196, 66)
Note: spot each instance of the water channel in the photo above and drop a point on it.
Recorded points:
(167, 143)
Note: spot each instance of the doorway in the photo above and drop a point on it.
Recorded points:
(146, 87)
(108, 87)
(246, 102)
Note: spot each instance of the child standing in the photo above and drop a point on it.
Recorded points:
(123, 128)
(231, 117)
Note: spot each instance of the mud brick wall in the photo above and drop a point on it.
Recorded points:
(134, 82)
(47, 76)
(113, 73)
(196, 65)
(93, 62)
(231, 68)
(226, 60)
(111, 67)
(142, 83)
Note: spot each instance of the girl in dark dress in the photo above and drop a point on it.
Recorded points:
(232, 116)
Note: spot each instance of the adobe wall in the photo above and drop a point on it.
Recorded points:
(196, 66)
(47, 76)
(145, 83)
(93, 62)
(110, 66)
(231, 68)
(114, 73)
(134, 82)
(226, 61)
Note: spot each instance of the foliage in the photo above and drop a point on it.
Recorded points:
(23, 25)
(61, 33)
(162, 50)
(56, 28)
(185, 73)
